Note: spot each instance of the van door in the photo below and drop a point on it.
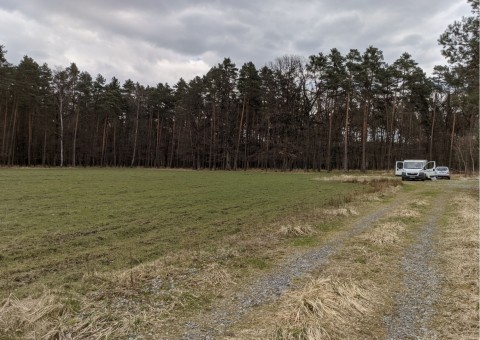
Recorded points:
(398, 168)
(429, 170)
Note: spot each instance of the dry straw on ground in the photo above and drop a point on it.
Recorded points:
(140, 298)
(215, 275)
(458, 315)
(344, 211)
(405, 212)
(29, 314)
(47, 317)
(296, 230)
(325, 308)
(385, 233)
(352, 178)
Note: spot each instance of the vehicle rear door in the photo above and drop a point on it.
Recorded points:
(429, 170)
(398, 168)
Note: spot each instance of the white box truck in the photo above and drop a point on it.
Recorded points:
(415, 169)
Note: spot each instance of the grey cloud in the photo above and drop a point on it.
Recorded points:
(113, 33)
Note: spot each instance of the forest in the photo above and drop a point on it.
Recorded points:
(328, 111)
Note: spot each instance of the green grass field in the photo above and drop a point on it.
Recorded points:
(57, 224)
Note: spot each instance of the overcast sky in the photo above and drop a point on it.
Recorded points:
(152, 41)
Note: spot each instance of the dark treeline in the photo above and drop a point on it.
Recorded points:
(330, 111)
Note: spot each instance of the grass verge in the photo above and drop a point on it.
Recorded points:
(458, 309)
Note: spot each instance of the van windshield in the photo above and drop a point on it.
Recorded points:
(412, 165)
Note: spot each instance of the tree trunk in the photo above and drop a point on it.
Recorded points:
(104, 141)
(235, 163)
(148, 161)
(13, 136)
(430, 151)
(451, 141)
(74, 153)
(30, 132)
(115, 143)
(390, 134)
(170, 162)
(319, 152)
(267, 152)
(136, 133)
(364, 137)
(472, 158)
(329, 140)
(245, 158)
(44, 155)
(345, 139)
(4, 138)
(157, 146)
(462, 159)
(193, 144)
(211, 158)
(93, 150)
(61, 130)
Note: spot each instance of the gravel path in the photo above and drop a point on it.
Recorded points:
(270, 287)
(415, 305)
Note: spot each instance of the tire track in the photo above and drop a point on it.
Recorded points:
(268, 288)
(422, 282)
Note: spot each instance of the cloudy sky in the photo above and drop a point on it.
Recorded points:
(152, 41)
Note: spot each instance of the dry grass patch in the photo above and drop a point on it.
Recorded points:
(352, 178)
(296, 230)
(405, 212)
(29, 314)
(169, 282)
(385, 233)
(380, 195)
(381, 185)
(48, 317)
(138, 300)
(458, 309)
(421, 203)
(325, 308)
(214, 275)
(345, 211)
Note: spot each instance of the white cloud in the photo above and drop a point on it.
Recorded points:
(150, 41)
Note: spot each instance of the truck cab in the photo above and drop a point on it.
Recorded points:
(417, 169)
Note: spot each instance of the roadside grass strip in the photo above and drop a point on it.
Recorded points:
(458, 308)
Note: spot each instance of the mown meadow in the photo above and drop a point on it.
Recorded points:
(58, 224)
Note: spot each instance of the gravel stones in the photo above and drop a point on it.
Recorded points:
(269, 287)
(415, 305)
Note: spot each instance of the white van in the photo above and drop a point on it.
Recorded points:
(415, 169)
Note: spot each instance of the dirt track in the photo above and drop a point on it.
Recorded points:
(414, 305)
(421, 280)
(268, 288)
